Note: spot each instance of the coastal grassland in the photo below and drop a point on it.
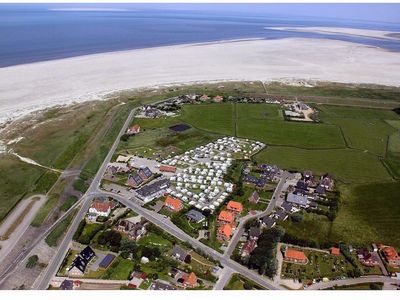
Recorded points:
(258, 111)
(16, 180)
(347, 165)
(218, 118)
(337, 90)
(356, 112)
(314, 228)
(369, 213)
(239, 282)
(364, 134)
(156, 135)
(56, 138)
(317, 136)
(53, 238)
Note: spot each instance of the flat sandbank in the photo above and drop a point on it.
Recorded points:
(35, 86)
(368, 33)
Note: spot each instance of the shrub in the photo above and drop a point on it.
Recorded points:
(32, 261)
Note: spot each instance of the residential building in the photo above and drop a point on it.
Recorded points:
(189, 280)
(224, 232)
(335, 251)
(254, 233)
(162, 286)
(391, 256)
(366, 257)
(295, 256)
(248, 247)
(134, 230)
(218, 98)
(327, 182)
(268, 222)
(234, 207)
(299, 200)
(254, 198)
(195, 216)
(135, 129)
(100, 207)
(280, 215)
(225, 217)
(106, 261)
(80, 262)
(180, 254)
(153, 190)
(173, 204)
(165, 168)
(145, 173)
(134, 180)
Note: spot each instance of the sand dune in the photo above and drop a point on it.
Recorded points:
(37, 85)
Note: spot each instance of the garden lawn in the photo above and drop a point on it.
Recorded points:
(347, 165)
(119, 270)
(155, 240)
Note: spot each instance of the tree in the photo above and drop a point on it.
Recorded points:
(297, 218)
(124, 137)
(32, 261)
(151, 252)
(127, 248)
(253, 222)
(375, 286)
(248, 285)
(79, 230)
(111, 238)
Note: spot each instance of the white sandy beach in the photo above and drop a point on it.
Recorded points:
(38, 85)
(368, 33)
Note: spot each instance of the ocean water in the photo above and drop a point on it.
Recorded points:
(31, 33)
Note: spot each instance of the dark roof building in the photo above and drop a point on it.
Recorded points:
(281, 215)
(287, 206)
(179, 253)
(302, 186)
(195, 216)
(145, 173)
(320, 190)
(269, 222)
(107, 260)
(87, 253)
(297, 199)
(67, 285)
(254, 233)
(134, 180)
(153, 190)
(158, 285)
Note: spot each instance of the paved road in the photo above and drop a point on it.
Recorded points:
(52, 267)
(271, 206)
(351, 281)
(172, 229)
(153, 217)
(223, 279)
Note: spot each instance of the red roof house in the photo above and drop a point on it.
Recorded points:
(295, 256)
(335, 251)
(173, 204)
(234, 207)
(224, 232)
(133, 130)
(225, 217)
(164, 168)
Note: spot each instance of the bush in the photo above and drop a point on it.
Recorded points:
(79, 230)
(297, 218)
(32, 261)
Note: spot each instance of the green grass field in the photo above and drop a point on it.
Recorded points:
(119, 270)
(218, 118)
(349, 166)
(369, 213)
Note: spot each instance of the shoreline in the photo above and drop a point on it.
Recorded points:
(31, 87)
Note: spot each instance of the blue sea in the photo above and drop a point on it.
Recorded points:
(31, 33)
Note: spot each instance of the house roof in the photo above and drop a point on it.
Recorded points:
(254, 197)
(225, 230)
(190, 279)
(145, 172)
(195, 215)
(287, 206)
(152, 188)
(320, 190)
(67, 285)
(107, 260)
(268, 221)
(249, 246)
(281, 215)
(101, 205)
(173, 203)
(165, 168)
(390, 252)
(179, 253)
(225, 216)
(335, 251)
(301, 185)
(297, 199)
(87, 253)
(295, 254)
(254, 231)
(234, 205)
